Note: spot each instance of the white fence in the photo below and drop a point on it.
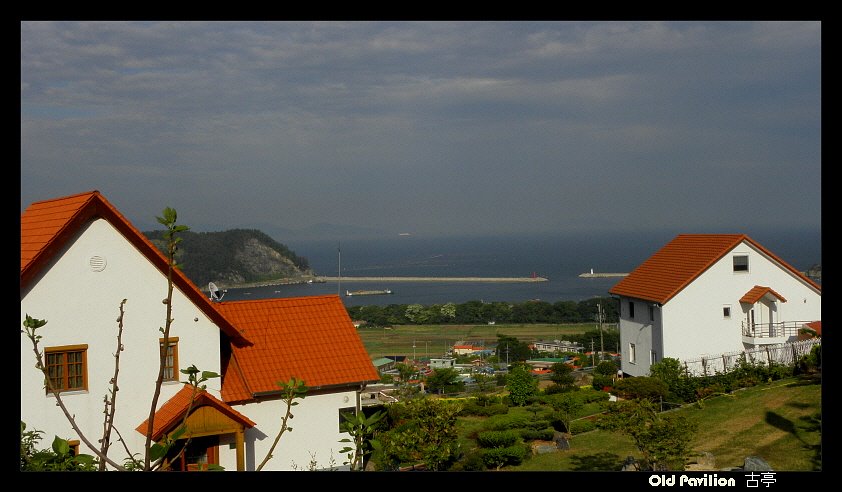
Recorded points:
(784, 353)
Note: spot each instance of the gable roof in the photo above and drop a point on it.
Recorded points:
(681, 261)
(757, 292)
(172, 412)
(47, 226)
(310, 338)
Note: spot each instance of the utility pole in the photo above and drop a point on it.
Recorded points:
(593, 356)
(600, 317)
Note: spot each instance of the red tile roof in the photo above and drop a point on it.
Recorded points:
(816, 326)
(310, 338)
(46, 226)
(170, 414)
(757, 292)
(682, 260)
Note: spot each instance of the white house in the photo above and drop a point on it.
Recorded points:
(707, 294)
(80, 258)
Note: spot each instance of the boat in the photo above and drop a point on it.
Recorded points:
(367, 292)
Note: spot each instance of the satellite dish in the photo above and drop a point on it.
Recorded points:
(215, 293)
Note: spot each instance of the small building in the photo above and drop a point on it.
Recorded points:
(443, 363)
(557, 346)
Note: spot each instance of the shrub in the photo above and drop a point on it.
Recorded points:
(499, 457)
(504, 422)
(498, 439)
(537, 434)
(472, 408)
(582, 425)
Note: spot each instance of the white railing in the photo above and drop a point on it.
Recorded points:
(781, 329)
(783, 353)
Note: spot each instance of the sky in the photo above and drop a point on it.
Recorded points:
(430, 128)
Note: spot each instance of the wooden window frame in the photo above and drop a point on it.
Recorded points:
(74, 447)
(173, 342)
(63, 351)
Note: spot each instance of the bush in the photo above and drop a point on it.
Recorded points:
(471, 461)
(582, 425)
(498, 439)
(537, 434)
(499, 457)
(472, 408)
(504, 422)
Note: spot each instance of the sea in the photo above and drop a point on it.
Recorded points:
(559, 258)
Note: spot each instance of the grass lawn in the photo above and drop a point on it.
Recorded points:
(778, 421)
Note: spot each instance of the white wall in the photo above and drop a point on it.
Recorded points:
(318, 415)
(81, 306)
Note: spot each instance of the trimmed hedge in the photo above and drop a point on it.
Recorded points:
(498, 439)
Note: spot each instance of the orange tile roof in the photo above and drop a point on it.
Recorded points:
(679, 262)
(46, 226)
(757, 292)
(815, 326)
(310, 338)
(172, 412)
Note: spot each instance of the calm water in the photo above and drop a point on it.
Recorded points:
(559, 258)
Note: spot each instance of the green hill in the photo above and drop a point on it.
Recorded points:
(234, 258)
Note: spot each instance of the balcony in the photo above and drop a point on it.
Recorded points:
(771, 333)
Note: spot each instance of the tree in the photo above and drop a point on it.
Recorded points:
(444, 380)
(642, 387)
(663, 440)
(562, 375)
(566, 407)
(448, 311)
(424, 432)
(416, 313)
(521, 384)
(510, 349)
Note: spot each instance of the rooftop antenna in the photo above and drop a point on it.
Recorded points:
(215, 293)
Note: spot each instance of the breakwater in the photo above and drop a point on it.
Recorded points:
(433, 279)
(601, 275)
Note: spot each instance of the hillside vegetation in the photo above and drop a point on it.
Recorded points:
(234, 258)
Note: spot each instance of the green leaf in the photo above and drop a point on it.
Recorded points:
(61, 446)
(157, 451)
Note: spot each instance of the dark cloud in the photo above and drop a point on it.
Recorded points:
(432, 127)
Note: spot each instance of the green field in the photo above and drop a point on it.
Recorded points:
(434, 340)
(779, 422)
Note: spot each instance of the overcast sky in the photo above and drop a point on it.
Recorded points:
(432, 128)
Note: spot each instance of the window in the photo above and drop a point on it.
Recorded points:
(740, 263)
(653, 357)
(726, 312)
(632, 354)
(651, 312)
(171, 359)
(67, 367)
(631, 309)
